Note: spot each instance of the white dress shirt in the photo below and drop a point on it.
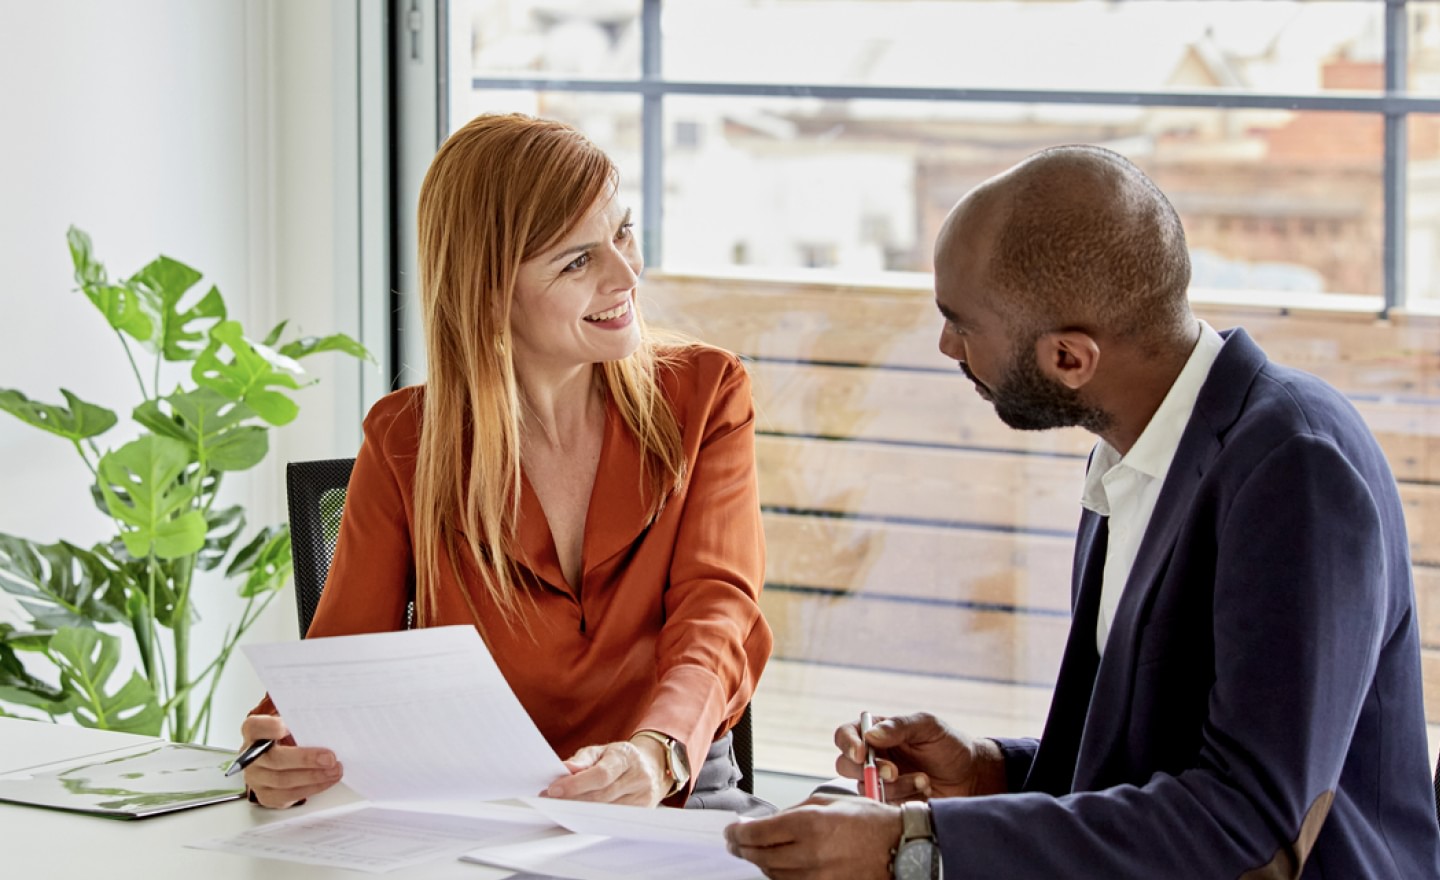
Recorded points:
(1126, 488)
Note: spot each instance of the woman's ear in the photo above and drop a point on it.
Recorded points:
(1070, 357)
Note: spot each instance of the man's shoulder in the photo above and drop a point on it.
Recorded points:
(1272, 397)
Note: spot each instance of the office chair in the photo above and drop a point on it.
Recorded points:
(1437, 789)
(316, 494)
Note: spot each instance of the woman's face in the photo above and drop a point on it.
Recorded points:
(575, 303)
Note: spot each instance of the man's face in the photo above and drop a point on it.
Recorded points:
(1002, 360)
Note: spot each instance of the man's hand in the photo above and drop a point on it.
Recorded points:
(616, 773)
(847, 838)
(287, 774)
(920, 757)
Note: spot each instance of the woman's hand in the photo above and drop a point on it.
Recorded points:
(286, 774)
(616, 773)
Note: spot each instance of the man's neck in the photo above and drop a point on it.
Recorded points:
(1144, 378)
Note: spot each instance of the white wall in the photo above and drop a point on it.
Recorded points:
(203, 130)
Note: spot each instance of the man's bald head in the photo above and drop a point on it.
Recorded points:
(1075, 237)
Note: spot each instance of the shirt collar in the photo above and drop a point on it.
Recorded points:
(1155, 448)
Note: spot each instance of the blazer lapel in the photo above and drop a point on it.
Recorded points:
(1053, 770)
(1216, 409)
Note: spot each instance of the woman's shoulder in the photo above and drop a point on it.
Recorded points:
(697, 365)
(394, 420)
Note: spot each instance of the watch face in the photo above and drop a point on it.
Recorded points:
(915, 860)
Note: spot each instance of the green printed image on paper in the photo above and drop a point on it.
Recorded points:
(156, 779)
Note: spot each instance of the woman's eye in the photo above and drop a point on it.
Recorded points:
(626, 231)
(577, 263)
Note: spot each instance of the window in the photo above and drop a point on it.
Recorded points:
(920, 550)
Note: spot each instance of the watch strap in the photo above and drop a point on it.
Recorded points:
(677, 770)
(915, 821)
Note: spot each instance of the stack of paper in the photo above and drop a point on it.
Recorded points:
(612, 842)
(430, 733)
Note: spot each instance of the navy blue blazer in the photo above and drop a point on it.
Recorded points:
(1258, 710)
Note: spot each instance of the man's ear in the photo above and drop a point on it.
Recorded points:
(1070, 357)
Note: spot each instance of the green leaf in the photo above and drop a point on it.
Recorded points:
(143, 489)
(78, 421)
(61, 584)
(19, 686)
(265, 562)
(249, 374)
(167, 281)
(87, 658)
(210, 424)
(137, 608)
(129, 308)
(274, 335)
(335, 342)
(136, 575)
(87, 270)
(224, 526)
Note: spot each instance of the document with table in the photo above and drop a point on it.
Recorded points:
(430, 733)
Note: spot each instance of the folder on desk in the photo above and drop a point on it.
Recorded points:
(133, 783)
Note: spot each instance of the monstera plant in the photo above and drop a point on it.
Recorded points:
(173, 536)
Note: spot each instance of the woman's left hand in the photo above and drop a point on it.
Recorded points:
(630, 773)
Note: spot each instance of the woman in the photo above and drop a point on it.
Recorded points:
(582, 494)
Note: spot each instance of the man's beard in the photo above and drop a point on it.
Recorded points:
(1028, 400)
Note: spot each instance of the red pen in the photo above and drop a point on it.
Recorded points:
(872, 775)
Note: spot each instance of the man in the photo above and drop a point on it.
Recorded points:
(1240, 695)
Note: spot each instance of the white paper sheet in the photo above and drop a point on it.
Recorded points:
(591, 857)
(364, 837)
(697, 828)
(415, 715)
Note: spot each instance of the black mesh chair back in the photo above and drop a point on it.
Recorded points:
(316, 492)
(1437, 789)
(742, 737)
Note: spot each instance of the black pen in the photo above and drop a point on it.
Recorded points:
(248, 756)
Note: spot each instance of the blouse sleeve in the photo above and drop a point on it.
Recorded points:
(715, 642)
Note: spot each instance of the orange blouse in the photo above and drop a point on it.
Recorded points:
(664, 632)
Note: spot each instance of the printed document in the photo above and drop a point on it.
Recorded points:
(420, 717)
(614, 842)
(416, 715)
(591, 857)
(364, 837)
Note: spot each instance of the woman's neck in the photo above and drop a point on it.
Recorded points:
(557, 407)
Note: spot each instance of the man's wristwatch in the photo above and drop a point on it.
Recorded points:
(677, 766)
(917, 856)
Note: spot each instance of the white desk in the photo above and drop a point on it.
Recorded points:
(37, 843)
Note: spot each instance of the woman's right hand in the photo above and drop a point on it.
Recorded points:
(286, 774)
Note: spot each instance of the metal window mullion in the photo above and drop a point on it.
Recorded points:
(1376, 103)
(652, 135)
(1396, 155)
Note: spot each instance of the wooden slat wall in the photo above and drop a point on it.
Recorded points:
(903, 515)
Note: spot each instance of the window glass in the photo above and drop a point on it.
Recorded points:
(1273, 200)
(1422, 237)
(562, 38)
(1227, 45)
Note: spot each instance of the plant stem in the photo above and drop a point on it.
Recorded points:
(134, 368)
(85, 458)
(247, 619)
(147, 645)
(185, 569)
